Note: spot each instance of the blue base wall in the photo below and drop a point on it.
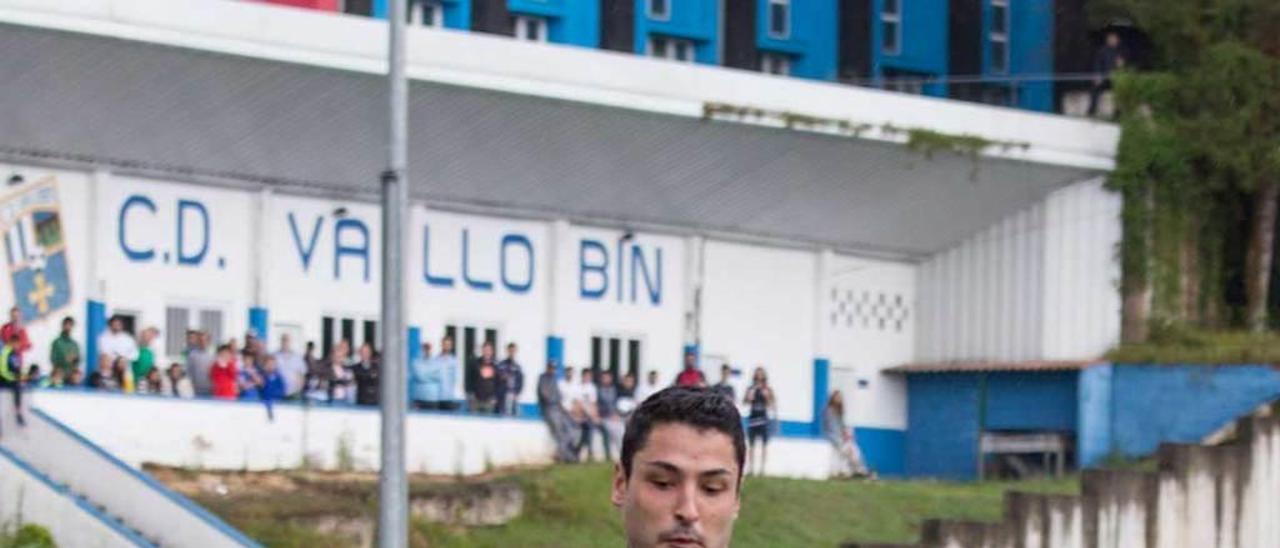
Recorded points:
(1154, 404)
(883, 449)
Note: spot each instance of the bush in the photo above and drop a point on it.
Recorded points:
(29, 536)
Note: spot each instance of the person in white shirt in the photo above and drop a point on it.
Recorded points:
(587, 395)
(114, 345)
(291, 366)
(570, 398)
(648, 387)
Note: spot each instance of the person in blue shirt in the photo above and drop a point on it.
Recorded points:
(433, 379)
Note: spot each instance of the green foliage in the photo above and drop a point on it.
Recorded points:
(29, 535)
(1175, 343)
(1201, 132)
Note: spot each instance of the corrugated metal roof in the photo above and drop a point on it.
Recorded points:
(189, 112)
(988, 366)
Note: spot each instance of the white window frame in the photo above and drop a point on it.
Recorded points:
(892, 18)
(999, 37)
(665, 15)
(786, 19)
(670, 48)
(624, 337)
(417, 13)
(775, 63)
(194, 310)
(522, 24)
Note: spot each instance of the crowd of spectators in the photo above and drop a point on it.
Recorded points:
(575, 404)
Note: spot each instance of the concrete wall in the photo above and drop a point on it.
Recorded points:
(1131, 410)
(1226, 496)
(27, 496)
(238, 435)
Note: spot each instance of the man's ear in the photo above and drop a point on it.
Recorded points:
(619, 485)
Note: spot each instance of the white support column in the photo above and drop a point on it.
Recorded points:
(822, 283)
(260, 271)
(694, 272)
(97, 286)
(558, 253)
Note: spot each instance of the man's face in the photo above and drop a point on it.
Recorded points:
(15, 315)
(487, 351)
(725, 374)
(653, 378)
(683, 489)
(116, 326)
(1113, 39)
(446, 346)
(68, 326)
(284, 343)
(689, 361)
(511, 352)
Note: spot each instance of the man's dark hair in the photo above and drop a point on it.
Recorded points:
(701, 408)
(67, 320)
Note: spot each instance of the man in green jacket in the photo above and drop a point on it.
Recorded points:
(64, 354)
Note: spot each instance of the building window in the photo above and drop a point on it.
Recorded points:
(617, 355)
(891, 26)
(775, 63)
(178, 320)
(659, 9)
(999, 35)
(426, 13)
(533, 29)
(467, 345)
(671, 48)
(779, 18)
(334, 329)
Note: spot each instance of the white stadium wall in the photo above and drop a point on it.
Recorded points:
(1039, 285)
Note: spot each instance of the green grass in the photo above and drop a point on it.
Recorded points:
(1178, 345)
(568, 506)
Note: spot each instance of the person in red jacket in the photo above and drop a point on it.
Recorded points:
(14, 327)
(691, 376)
(223, 374)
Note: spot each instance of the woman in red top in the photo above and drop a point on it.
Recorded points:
(223, 374)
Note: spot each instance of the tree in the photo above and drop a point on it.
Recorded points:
(1200, 131)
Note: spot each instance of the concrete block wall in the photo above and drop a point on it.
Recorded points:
(1225, 496)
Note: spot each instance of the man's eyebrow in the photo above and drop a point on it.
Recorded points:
(664, 465)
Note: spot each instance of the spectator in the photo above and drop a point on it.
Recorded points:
(510, 383)
(177, 384)
(34, 378)
(608, 419)
(15, 327)
(472, 375)
(64, 353)
(199, 362)
(293, 367)
(841, 438)
(589, 414)
(649, 388)
(223, 375)
(57, 379)
(11, 371)
(152, 383)
(146, 360)
(338, 374)
(1109, 58)
(75, 378)
(558, 422)
(571, 402)
(627, 395)
(318, 375)
(115, 345)
(365, 373)
(249, 381)
(273, 383)
(691, 376)
(444, 367)
(486, 384)
(761, 402)
(424, 390)
(724, 387)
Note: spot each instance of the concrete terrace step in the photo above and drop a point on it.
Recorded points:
(1225, 495)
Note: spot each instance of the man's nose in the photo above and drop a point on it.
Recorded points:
(687, 505)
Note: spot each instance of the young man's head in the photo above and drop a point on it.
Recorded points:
(1113, 39)
(690, 360)
(426, 350)
(551, 367)
(15, 315)
(175, 371)
(68, 323)
(225, 354)
(116, 324)
(588, 376)
(446, 345)
(606, 378)
(285, 343)
(653, 377)
(568, 373)
(269, 363)
(511, 351)
(725, 373)
(629, 381)
(486, 350)
(680, 478)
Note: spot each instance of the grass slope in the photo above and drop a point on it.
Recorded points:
(568, 506)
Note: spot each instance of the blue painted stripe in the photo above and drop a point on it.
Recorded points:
(258, 322)
(884, 449)
(197, 510)
(95, 322)
(88, 507)
(555, 354)
(821, 385)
